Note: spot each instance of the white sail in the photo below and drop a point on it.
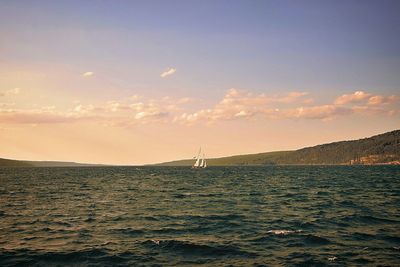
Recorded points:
(203, 162)
(200, 161)
(197, 164)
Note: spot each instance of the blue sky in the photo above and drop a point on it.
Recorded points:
(263, 49)
(264, 45)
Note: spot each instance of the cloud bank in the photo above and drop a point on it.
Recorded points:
(235, 105)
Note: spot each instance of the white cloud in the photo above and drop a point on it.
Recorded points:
(15, 116)
(168, 72)
(234, 105)
(239, 104)
(323, 112)
(83, 109)
(363, 98)
(381, 100)
(357, 96)
(88, 74)
(242, 104)
(242, 113)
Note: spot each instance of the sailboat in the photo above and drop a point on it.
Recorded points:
(200, 162)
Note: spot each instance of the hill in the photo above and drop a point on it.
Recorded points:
(24, 163)
(13, 163)
(378, 149)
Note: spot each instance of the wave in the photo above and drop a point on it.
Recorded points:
(94, 257)
(198, 218)
(127, 231)
(191, 194)
(283, 232)
(392, 239)
(362, 236)
(66, 224)
(218, 217)
(362, 261)
(90, 219)
(305, 259)
(297, 237)
(276, 234)
(368, 219)
(316, 240)
(189, 248)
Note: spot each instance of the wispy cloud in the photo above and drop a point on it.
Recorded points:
(16, 116)
(88, 74)
(234, 105)
(381, 100)
(14, 91)
(323, 112)
(239, 104)
(168, 72)
(3, 105)
(243, 104)
(124, 113)
(363, 99)
(352, 98)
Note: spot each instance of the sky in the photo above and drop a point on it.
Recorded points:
(137, 82)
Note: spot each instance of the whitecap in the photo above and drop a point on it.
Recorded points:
(284, 232)
(157, 242)
(332, 258)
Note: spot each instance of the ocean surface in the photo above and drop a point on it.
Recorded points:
(220, 216)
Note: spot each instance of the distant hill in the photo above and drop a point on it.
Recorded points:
(59, 164)
(13, 163)
(23, 163)
(378, 149)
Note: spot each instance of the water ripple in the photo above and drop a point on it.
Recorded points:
(220, 216)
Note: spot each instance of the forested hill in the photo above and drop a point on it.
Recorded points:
(13, 163)
(379, 149)
(23, 163)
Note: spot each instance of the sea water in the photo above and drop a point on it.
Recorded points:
(219, 216)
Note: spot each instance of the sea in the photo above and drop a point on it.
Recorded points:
(219, 216)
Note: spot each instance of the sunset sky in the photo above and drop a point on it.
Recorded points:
(134, 82)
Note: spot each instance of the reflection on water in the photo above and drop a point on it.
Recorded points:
(280, 215)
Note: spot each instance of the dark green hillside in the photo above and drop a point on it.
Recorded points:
(250, 159)
(59, 164)
(376, 149)
(383, 148)
(13, 163)
(379, 149)
(23, 163)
